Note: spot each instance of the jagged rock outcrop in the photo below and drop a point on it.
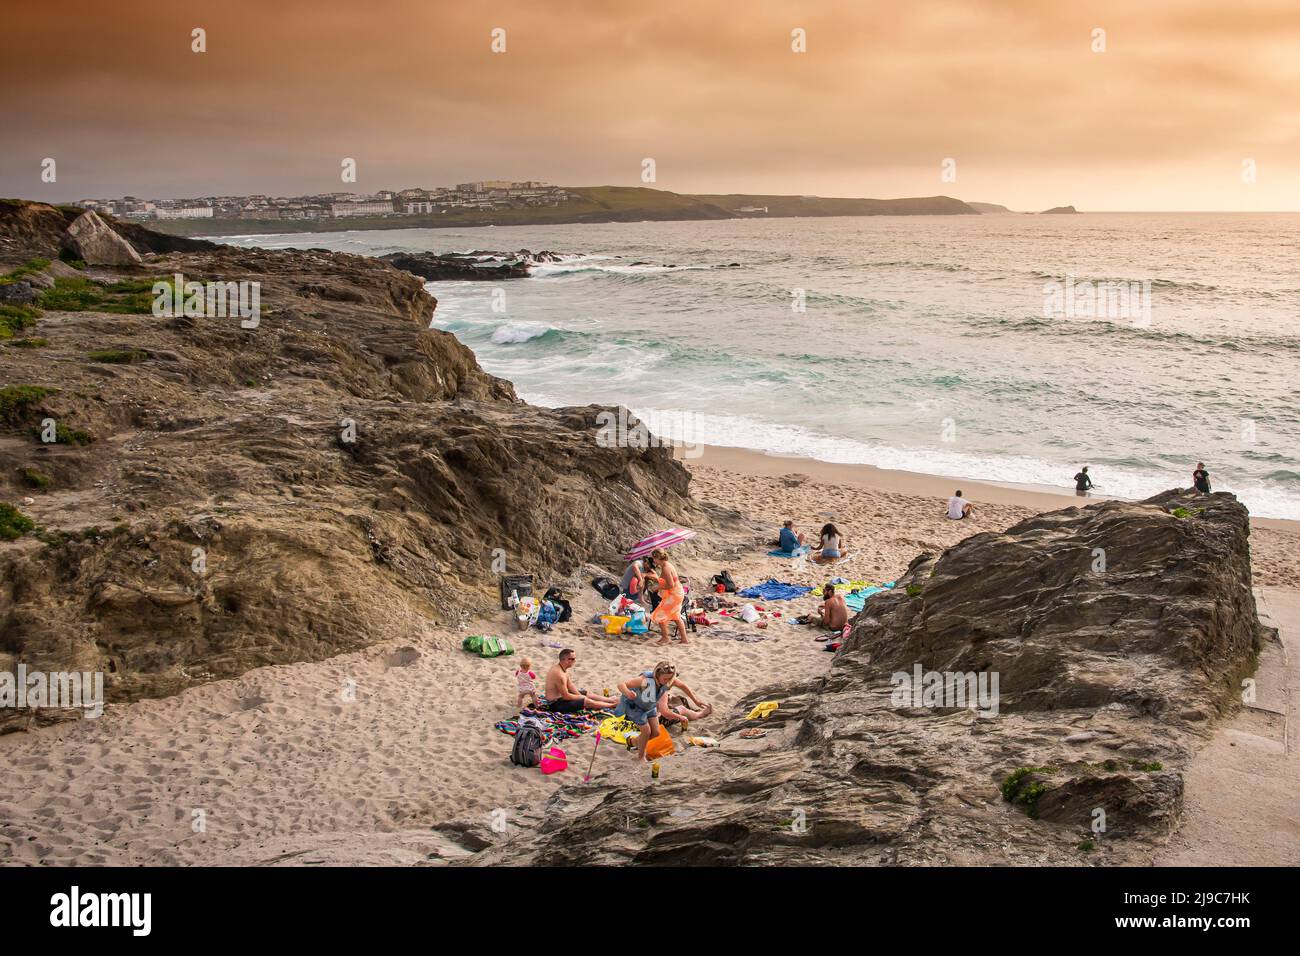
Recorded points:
(223, 497)
(35, 229)
(91, 240)
(1118, 632)
(476, 264)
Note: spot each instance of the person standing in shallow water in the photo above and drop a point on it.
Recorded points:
(1201, 478)
(1082, 483)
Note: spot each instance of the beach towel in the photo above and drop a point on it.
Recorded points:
(554, 726)
(796, 553)
(774, 590)
(842, 586)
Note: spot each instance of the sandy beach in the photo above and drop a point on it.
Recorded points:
(286, 765)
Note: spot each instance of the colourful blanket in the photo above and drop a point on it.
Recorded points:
(774, 590)
(559, 726)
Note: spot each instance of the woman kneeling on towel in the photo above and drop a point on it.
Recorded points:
(671, 597)
(831, 547)
(644, 697)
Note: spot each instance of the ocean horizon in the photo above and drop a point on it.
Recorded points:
(1001, 348)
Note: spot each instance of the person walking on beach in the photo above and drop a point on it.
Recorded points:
(1082, 483)
(671, 597)
(959, 507)
(830, 547)
(1201, 478)
(640, 698)
(562, 697)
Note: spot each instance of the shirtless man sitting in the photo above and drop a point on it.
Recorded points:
(834, 613)
(562, 697)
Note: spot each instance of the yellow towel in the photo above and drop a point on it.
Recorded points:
(763, 709)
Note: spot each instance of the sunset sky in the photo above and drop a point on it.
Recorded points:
(1011, 89)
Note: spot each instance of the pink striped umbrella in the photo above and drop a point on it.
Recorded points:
(660, 539)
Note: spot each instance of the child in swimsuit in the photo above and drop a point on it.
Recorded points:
(527, 682)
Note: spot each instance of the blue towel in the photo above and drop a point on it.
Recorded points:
(856, 601)
(774, 590)
(797, 552)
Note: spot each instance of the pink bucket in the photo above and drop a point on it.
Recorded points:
(554, 760)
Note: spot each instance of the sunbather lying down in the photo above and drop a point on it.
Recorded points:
(675, 709)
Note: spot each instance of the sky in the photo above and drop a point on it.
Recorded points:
(1184, 101)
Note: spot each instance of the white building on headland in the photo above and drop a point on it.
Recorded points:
(183, 212)
(362, 208)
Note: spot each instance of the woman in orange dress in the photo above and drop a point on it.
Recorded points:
(671, 598)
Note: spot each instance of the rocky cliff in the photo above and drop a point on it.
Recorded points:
(215, 497)
(1117, 634)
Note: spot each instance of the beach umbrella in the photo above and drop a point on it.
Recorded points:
(660, 539)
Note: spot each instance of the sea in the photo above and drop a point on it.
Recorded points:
(1005, 348)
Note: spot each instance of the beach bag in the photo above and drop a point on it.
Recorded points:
(728, 585)
(548, 615)
(607, 587)
(495, 647)
(529, 741)
(519, 583)
(554, 761)
(637, 625)
(556, 597)
(661, 745)
(473, 643)
(614, 623)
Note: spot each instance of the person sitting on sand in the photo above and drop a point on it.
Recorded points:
(834, 612)
(562, 697)
(639, 700)
(830, 547)
(632, 586)
(1082, 483)
(959, 507)
(790, 540)
(1201, 478)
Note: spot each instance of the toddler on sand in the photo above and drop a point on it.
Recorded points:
(527, 682)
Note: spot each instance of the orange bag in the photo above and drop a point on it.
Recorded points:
(660, 746)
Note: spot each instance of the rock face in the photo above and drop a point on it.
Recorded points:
(91, 239)
(229, 497)
(1118, 632)
(474, 265)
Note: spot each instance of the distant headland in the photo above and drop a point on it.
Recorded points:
(499, 203)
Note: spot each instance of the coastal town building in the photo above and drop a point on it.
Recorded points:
(488, 194)
(363, 208)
